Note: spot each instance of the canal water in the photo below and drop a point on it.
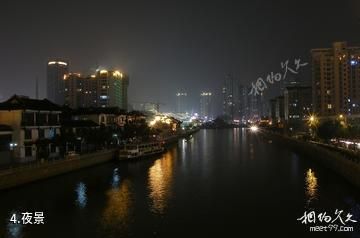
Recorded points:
(218, 183)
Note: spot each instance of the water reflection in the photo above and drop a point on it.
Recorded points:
(311, 186)
(183, 149)
(119, 203)
(160, 182)
(236, 136)
(14, 230)
(81, 197)
(251, 151)
(115, 178)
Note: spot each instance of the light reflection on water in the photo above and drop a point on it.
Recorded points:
(14, 230)
(116, 178)
(160, 183)
(311, 186)
(118, 205)
(81, 197)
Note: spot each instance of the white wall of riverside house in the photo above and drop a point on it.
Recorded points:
(13, 119)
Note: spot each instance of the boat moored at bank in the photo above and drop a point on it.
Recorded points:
(134, 151)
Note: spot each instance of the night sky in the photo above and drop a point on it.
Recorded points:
(167, 45)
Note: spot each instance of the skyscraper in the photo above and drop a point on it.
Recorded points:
(181, 102)
(112, 89)
(56, 70)
(205, 105)
(80, 91)
(103, 89)
(336, 79)
(243, 103)
(228, 97)
(297, 103)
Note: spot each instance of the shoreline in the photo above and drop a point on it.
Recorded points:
(335, 160)
(19, 176)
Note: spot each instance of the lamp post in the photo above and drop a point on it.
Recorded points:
(313, 122)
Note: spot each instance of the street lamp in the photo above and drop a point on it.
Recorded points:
(254, 128)
(342, 120)
(312, 122)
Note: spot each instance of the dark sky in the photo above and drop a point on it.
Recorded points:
(167, 45)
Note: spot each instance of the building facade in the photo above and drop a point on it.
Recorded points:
(297, 104)
(35, 125)
(336, 80)
(181, 102)
(103, 89)
(272, 112)
(228, 97)
(279, 109)
(243, 103)
(55, 73)
(205, 105)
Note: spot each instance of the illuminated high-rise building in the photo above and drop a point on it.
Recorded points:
(56, 70)
(181, 102)
(103, 89)
(243, 103)
(205, 105)
(228, 97)
(336, 80)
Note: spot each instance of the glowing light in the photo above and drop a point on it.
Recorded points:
(116, 73)
(118, 205)
(57, 62)
(312, 120)
(93, 76)
(103, 71)
(81, 199)
(254, 128)
(160, 177)
(311, 185)
(62, 63)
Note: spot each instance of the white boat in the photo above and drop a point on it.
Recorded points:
(134, 151)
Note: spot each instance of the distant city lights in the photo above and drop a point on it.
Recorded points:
(254, 128)
(353, 62)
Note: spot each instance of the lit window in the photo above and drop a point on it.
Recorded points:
(329, 106)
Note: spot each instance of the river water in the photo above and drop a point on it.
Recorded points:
(219, 183)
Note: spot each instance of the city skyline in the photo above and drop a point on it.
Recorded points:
(214, 42)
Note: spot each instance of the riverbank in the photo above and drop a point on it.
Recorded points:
(336, 160)
(173, 139)
(13, 177)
